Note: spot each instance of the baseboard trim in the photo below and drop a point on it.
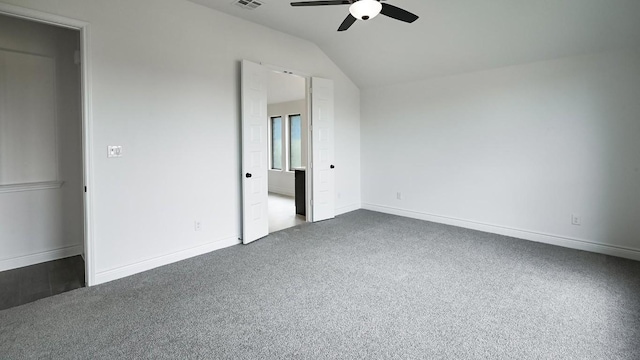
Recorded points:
(347, 208)
(44, 256)
(573, 243)
(128, 270)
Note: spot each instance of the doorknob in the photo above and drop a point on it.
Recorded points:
(332, 167)
(248, 175)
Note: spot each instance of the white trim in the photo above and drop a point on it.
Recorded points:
(87, 120)
(39, 16)
(87, 156)
(128, 270)
(347, 208)
(37, 258)
(308, 177)
(45, 185)
(564, 241)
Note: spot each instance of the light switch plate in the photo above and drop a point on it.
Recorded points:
(114, 151)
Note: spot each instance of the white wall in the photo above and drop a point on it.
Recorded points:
(43, 225)
(281, 181)
(28, 150)
(166, 88)
(282, 87)
(515, 150)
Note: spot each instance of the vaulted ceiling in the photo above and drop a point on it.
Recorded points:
(452, 36)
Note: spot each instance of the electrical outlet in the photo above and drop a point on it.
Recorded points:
(399, 195)
(197, 225)
(576, 219)
(114, 151)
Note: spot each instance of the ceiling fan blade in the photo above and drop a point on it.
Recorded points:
(348, 21)
(318, 3)
(398, 14)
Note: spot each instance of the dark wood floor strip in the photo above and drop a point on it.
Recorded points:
(31, 283)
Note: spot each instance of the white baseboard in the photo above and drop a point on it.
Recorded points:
(32, 259)
(118, 273)
(347, 208)
(563, 241)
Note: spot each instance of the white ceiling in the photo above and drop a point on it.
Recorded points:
(452, 36)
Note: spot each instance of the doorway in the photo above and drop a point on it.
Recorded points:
(256, 158)
(44, 165)
(288, 125)
(41, 207)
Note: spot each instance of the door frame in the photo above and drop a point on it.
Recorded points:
(86, 122)
(309, 170)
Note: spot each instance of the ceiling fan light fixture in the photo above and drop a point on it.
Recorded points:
(365, 9)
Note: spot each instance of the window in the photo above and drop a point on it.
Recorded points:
(295, 141)
(286, 142)
(276, 143)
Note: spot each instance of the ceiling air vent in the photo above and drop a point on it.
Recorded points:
(249, 4)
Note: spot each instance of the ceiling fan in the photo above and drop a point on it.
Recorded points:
(363, 10)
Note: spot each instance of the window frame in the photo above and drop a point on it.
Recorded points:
(289, 132)
(271, 147)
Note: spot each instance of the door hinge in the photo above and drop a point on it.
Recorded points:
(85, 189)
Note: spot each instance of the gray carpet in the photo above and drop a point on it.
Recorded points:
(365, 285)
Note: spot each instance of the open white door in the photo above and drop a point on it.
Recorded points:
(323, 187)
(255, 216)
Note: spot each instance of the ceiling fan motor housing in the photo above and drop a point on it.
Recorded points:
(365, 9)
